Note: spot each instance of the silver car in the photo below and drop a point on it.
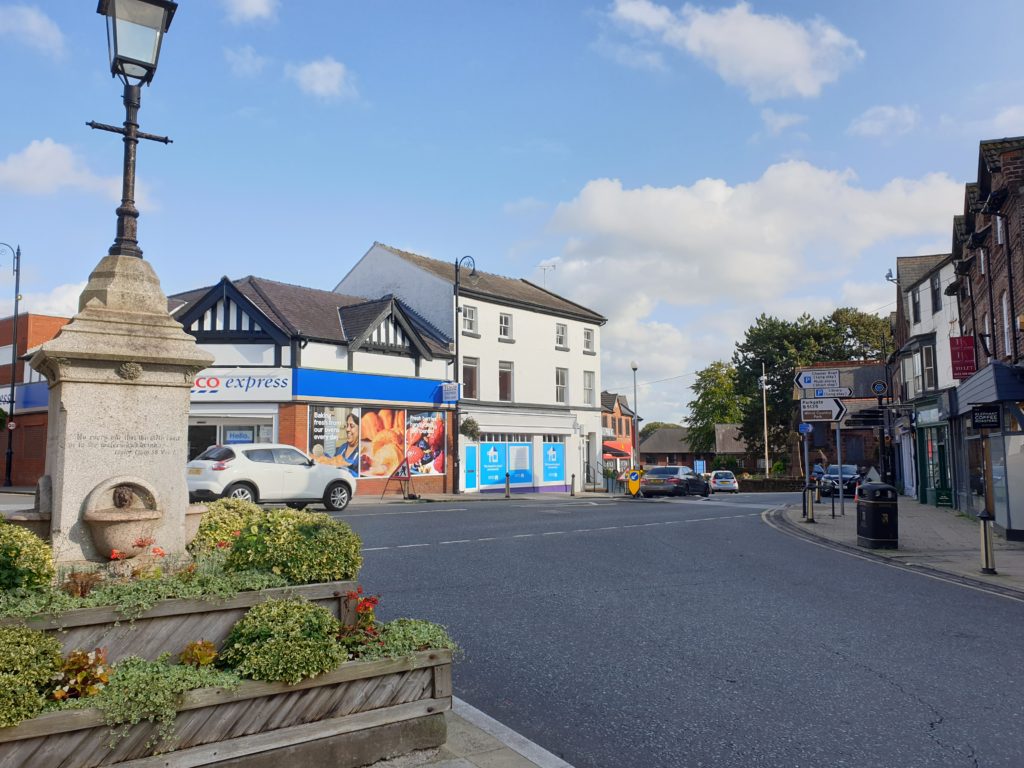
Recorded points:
(268, 472)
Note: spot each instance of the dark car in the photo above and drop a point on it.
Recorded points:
(673, 481)
(830, 480)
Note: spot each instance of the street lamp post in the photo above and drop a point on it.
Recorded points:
(135, 29)
(764, 408)
(16, 264)
(458, 362)
(636, 421)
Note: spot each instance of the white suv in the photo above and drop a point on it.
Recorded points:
(265, 472)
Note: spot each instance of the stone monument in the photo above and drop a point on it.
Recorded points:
(119, 374)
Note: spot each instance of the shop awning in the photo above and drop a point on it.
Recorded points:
(617, 449)
(996, 382)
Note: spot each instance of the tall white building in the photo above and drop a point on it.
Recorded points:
(529, 365)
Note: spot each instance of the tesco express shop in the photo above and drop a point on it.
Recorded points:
(397, 418)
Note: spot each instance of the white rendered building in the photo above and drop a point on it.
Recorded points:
(529, 366)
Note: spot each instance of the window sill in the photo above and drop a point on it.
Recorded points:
(590, 352)
(561, 349)
(471, 334)
(504, 340)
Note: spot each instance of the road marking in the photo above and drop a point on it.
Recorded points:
(576, 530)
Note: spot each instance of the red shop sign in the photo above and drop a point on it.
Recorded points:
(961, 352)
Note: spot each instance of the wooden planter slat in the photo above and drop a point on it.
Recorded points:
(170, 625)
(380, 691)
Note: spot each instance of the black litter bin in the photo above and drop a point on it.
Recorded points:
(877, 517)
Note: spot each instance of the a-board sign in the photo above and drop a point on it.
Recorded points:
(821, 409)
(986, 417)
(817, 378)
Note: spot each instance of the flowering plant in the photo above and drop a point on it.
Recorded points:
(365, 629)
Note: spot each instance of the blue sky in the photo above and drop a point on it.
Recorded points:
(684, 167)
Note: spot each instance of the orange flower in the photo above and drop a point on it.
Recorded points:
(222, 544)
(116, 554)
(158, 551)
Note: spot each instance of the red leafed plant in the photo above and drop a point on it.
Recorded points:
(365, 629)
(82, 674)
(199, 653)
(80, 583)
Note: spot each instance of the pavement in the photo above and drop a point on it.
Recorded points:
(935, 542)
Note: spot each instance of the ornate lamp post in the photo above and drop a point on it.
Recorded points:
(16, 264)
(636, 421)
(135, 29)
(458, 361)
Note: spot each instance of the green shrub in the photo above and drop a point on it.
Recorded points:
(283, 640)
(29, 660)
(222, 521)
(151, 690)
(304, 547)
(19, 700)
(25, 559)
(403, 637)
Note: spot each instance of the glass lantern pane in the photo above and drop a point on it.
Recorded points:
(135, 41)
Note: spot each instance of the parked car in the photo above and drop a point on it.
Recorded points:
(830, 480)
(724, 480)
(265, 472)
(673, 481)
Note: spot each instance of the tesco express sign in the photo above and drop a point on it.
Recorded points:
(233, 385)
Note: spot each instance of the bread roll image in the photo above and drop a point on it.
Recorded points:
(399, 422)
(384, 437)
(386, 460)
(387, 417)
(370, 425)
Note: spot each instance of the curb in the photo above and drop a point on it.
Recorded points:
(777, 518)
(518, 743)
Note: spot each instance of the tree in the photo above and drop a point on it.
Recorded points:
(715, 402)
(858, 335)
(648, 429)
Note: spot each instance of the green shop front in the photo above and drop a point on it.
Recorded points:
(990, 431)
(934, 451)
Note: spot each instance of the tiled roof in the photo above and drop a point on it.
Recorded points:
(313, 313)
(608, 403)
(727, 439)
(667, 440)
(486, 285)
(910, 270)
(993, 148)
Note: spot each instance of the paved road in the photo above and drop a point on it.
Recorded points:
(689, 633)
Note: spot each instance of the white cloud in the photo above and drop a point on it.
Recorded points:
(327, 79)
(241, 11)
(769, 56)
(523, 205)
(61, 301)
(777, 122)
(884, 120)
(244, 61)
(45, 167)
(28, 25)
(692, 266)
(632, 56)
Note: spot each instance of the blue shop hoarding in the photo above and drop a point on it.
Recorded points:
(554, 462)
(520, 463)
(311, 383)
(493, 462)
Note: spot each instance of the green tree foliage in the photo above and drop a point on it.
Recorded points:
(649, 429)
(716, 402)
(858, 335)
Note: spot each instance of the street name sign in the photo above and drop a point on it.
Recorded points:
(821, 409)
(817, 378)
(829, 392)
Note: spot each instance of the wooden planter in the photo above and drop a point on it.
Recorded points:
(170, 625)
(357, 714)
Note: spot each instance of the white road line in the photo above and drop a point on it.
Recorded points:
(557, 533)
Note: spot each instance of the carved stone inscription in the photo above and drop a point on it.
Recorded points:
(128, 444)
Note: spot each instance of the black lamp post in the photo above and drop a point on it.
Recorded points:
(458, 362)
(16, 252)
(135, 29)
(636, 421)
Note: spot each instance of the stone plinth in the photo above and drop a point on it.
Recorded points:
(120, 374)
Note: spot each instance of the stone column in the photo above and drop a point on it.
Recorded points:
(120, 374)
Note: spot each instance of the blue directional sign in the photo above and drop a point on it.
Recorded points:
(805, 428)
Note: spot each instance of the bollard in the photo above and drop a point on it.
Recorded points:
(804, 515)
(988, 555)
(809, 495)
(817, 490)
(508, 485)
(833, 505)
(572, 488)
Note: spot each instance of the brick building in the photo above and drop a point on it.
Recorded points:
(31, 395)
(987, 251)
(616, 431)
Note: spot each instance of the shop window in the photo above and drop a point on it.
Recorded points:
(470, 379)
(505, 381)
